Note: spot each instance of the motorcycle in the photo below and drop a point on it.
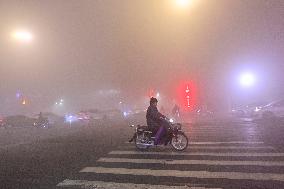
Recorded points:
(42, 123)
(144, 138)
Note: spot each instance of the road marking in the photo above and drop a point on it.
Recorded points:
(221, 142)
(214, 129)
(115, 185)
(229, 142)
(205, 133)
(186, 174)
(231, 147)
(193, 162)
(216, 147)
(234, 154)
(220, 129)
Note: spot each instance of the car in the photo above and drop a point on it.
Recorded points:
(247, 110)
(2, 122)
(203, 111)
(53, 118)
(90, 117)
(18, 121)
(271, 110)
(87, 115)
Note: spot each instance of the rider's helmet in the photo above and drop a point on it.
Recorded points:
(153, 100)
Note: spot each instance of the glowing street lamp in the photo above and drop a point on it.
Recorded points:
(183, 3)
(183, 6)
(24, 102)
(22, 36)
(60, 103)
(18, 95)
(247, 79)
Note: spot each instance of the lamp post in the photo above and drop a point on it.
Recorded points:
(183, 3)
(22, 36)
(247, 79)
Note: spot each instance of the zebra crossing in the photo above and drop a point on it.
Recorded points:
(205, 164)
(111, 185)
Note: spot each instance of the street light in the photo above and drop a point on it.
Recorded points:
(60, 102)
(182, 6)
(24, 102)
(247, 79)
(183, 3)
(22, 36)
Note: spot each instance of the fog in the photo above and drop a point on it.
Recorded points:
(97, 53)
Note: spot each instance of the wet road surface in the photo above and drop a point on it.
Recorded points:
(238, 154)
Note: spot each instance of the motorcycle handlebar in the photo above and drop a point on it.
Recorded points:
(169, 120)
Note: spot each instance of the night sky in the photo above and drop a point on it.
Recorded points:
(96, 53)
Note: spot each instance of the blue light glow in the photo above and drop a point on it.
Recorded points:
(70, 118)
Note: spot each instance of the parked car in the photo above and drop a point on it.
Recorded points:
(18, 121)
(89, 117)
(246, 111)
(53, 119)
(203, 111)
(271, 110)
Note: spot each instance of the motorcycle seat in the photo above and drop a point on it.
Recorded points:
(143, 127)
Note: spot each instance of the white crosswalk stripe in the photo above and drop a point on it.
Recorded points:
(231, 147)
(199, 147)
(228, 142)
(191, 162)
(227, 154)
(185, 174)
(217, 142)
(114, 185)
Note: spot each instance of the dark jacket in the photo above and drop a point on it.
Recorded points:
(153, 117)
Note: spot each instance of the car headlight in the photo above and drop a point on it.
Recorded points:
(257, 109)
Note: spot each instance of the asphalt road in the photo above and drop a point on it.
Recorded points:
(231, 154)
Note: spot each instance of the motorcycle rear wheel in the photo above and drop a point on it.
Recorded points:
(139, 145)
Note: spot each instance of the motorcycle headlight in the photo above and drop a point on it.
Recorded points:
(178, 126)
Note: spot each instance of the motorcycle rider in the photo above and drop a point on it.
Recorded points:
(40, 118)
(176, 111)
(155, 121)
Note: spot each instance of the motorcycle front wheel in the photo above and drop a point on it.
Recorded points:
(180, 141)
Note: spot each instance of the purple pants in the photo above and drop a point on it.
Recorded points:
(159, 134)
